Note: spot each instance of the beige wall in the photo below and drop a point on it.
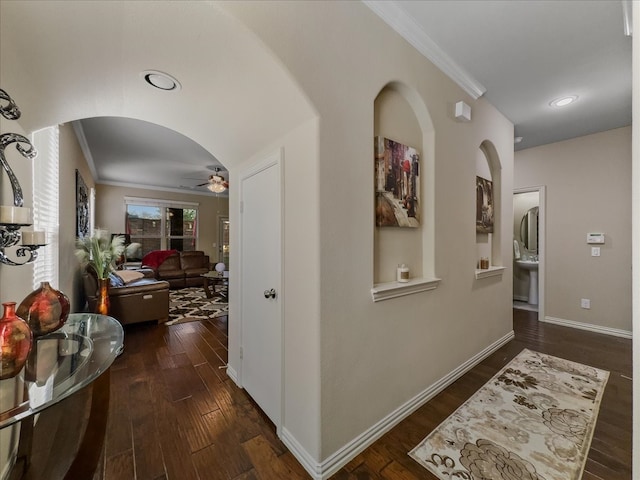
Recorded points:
(110, 212)
(588, 182)
(340, 346)
(386, 352)
(71, 159)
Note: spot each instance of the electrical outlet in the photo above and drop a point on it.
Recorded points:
(585, 303)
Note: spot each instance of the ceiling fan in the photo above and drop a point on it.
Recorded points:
(216, 182)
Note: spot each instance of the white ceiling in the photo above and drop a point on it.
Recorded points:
(124, 151)
(520, 55)
(523, 54)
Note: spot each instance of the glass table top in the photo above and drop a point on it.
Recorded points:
(60, 364)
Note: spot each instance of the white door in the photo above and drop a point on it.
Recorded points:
(261, 336)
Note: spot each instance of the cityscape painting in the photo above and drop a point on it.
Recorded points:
(397, 184)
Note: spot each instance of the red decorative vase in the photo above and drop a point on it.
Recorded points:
(15, 342)
(102, 304)
(45, 309)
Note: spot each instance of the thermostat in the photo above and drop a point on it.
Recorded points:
(595, 237)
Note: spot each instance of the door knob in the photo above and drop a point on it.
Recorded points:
(270, 293)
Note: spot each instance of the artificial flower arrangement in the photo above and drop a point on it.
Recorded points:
(100, 251)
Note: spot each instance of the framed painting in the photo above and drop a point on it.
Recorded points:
(484, 205)
(397, 184)
(82, 207)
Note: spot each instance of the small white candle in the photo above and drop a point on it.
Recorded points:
(33, 237)
(15, 215)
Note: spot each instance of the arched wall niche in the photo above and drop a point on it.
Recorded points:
(488, 166)
(401, 115)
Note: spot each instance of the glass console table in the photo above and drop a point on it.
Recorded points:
(63, 391)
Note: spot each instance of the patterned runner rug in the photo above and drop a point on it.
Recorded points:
(191, 304)
(534, 420)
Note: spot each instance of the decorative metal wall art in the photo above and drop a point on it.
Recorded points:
(82, 207)
(14, 217)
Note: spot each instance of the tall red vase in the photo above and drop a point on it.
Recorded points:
(15, 342)
(45, 309)
(102, 304)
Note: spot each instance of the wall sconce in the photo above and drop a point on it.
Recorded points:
(13, 218)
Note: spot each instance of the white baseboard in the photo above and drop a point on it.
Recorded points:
(233, 375)
(312, 467)
(321, 471)
(589, 327)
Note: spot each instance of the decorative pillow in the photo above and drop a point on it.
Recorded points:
(128, 276)
(115, 280)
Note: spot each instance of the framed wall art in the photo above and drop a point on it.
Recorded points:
(397, 184)
(82, 207)
(484, 205)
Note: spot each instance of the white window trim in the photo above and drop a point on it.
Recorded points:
(164, 204)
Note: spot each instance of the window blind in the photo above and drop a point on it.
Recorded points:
(46, 187)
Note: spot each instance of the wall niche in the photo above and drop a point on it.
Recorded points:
(401, 116)
(488, 174)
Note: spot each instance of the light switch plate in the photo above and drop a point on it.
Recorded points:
(595, 251)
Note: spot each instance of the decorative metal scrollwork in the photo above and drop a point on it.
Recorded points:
(29, 152)
(11, 110)
(10, 234)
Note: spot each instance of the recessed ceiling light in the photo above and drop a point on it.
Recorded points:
(517, 139)
(563, 101)
(161, 80)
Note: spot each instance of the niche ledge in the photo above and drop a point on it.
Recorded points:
(385, 291)
(490, 272)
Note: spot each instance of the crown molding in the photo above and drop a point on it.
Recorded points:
(84, 146)
(406, 27)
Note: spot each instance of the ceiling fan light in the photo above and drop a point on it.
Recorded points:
(216, 187)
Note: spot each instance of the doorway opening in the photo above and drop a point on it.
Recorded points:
(529, 249)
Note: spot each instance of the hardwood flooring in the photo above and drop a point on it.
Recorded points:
(174, 413)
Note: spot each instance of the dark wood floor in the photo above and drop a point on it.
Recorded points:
(174, 413)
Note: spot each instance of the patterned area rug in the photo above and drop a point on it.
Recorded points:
(191, 304)
(533, 420)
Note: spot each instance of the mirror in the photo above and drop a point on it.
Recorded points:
(529, 230)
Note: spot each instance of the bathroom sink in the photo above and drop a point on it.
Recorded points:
(531, 266)
(527, 264)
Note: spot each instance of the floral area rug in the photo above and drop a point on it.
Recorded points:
(533, 420)
(191, 304)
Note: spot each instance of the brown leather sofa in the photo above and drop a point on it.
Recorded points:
(183, 269)
(141, 300)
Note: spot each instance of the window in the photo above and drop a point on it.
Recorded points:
(46, 187)
(161, 225)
